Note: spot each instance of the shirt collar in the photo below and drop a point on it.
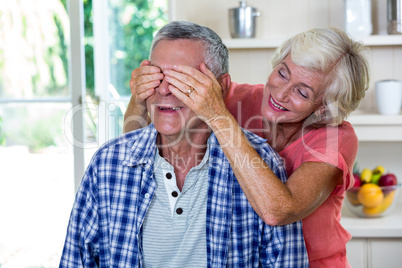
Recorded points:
(160, 161)
(142, 149)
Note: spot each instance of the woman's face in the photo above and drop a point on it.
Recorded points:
(292, 93)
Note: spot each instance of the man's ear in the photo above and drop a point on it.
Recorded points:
(225, 80)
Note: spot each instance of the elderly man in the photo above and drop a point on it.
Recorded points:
(165, 195)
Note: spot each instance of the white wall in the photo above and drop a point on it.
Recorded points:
(278, 18)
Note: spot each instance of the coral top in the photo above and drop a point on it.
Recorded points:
(325, 237)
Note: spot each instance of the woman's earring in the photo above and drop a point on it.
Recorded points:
(317, 115)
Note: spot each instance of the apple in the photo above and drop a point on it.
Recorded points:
(358, 181)
(388, 179)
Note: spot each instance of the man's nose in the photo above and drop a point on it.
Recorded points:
(163, 88)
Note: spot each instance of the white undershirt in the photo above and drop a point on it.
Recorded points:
(174, 230)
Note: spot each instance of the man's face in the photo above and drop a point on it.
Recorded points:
(170, 116)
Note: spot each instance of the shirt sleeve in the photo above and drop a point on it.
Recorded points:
(336, 146)
(80, 247)
(283, 246)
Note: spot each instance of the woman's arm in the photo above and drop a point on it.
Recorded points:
(275, 202)
(144, 80)
(135, 117)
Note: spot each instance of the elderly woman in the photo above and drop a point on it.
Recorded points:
(318, 78)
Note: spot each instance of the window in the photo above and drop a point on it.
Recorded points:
(38, 92)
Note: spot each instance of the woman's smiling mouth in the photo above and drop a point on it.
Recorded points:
(277, 105)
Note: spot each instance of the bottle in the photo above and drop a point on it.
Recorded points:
(394, 10)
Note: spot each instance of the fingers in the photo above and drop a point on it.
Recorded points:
(184, 87)
(186, 77)
(183, 97)
(144, 80)
(206, 71)
(190, 74)
(189, 91)
(145, 63)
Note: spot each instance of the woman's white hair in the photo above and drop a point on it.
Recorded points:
(332, 52)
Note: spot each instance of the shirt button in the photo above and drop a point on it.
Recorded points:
(179, 211)
(175, 194)
(147, 195)
(168, 176)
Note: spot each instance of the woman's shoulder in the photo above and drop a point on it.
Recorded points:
(244, 92)
(347, 129)
(344, 132)
(328, 138)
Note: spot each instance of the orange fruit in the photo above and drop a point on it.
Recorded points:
(383, 206)
(388, 199)
(374, 211)
(370, 195)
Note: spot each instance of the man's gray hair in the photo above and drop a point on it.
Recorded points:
(216, 53)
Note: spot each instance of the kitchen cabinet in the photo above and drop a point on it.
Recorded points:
(386, 252)
(375, 252)
(357, 253)
(376, 242)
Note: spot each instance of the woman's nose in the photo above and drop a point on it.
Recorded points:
(283, 92)
(163, 88)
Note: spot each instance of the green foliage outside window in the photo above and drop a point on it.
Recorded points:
(34, 55)
(33, 49)
(43, 55)
(132, 24)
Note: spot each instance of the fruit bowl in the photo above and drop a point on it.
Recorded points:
(371, 200)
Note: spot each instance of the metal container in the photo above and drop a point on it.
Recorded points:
(242, 21)
(394, 11)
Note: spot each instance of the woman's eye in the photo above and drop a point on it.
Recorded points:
(281, 73)
(303, 93)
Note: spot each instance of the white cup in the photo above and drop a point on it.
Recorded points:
(389, 96)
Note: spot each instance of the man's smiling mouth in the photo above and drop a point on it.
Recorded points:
(169, 108)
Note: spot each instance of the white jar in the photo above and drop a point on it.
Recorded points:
(389, 96)
(358, 17)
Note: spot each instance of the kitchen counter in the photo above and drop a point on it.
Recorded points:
(387, 226)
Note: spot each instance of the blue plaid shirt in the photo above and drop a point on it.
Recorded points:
(116, 191)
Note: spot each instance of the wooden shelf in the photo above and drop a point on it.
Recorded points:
(255, 43)
(371, 126)
(372, 118)
(243, 43)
